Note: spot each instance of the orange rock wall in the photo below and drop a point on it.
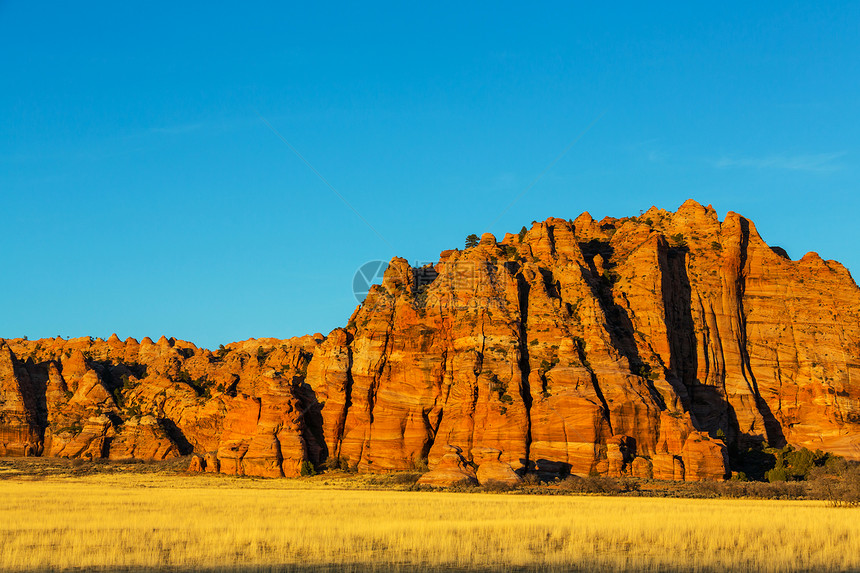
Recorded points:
(637, 346)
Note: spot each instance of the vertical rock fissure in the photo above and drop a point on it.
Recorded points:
(740, 286)
(523, 289)
(433, 425)
(680, 326)
(619, 325)
(583, 358)
(772, 427)
(347, 391)
(374, 386)
(38, 374)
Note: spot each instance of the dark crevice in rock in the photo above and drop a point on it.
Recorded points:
(523, 288)
(38, 374)
(347, 404)
(312, 423)
(773, 428)
(618, 324)
(383, 362)
(176, 436)
(550, 284)
(583, 358)
(680, 328)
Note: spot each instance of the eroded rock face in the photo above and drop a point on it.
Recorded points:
(452, 469)
(704, 459)
(142, 438)
(491, 470)
(197, 464)
(20, 432)
(619, 347)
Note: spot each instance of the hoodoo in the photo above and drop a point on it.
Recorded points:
(646, 346)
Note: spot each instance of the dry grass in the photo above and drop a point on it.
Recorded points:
(147, 522)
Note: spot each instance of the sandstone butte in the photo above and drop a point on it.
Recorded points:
(646, 346)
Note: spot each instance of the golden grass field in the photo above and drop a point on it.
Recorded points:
(157, 522)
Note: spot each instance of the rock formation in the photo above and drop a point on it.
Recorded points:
(642, 346)
(452, 469)
(491, 470)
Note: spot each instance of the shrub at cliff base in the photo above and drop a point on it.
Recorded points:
(838, 482)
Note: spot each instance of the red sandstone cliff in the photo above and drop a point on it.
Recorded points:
(620, 347)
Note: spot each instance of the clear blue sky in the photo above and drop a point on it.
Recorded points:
(142, 194)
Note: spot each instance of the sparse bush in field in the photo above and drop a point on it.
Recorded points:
(837, 482)
(592, 484)
(498, 487)
(706, 489)
(393, 478)
(748, 489)
(627, 484)
(403, 478)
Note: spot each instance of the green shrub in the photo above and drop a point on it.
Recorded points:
(678, 240)
(497, 386)
(308, 469)
(643, 369)
(511, 252)
(776, 474)
(800, 462)
(794, 465)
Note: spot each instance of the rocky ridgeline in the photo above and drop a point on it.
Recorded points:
(643, 346)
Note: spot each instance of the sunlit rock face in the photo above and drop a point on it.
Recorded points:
(641, 346)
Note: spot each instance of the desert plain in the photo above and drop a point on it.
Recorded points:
(138, 517)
